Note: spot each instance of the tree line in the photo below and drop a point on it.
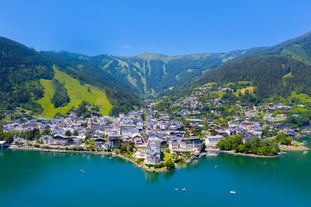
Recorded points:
(253, 145)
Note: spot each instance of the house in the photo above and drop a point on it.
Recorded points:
(47, 139)
(76, 140)
(114, 141)
(99, 142)
(211, 141)
(137, 140)
(60, 140)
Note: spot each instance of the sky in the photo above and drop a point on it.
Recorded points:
(171, 27)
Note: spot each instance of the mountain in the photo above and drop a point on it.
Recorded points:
(23, 72)
(153, 73)
(21, 69)
(273, 72)
(30, 79)
(122, 95)
(298, 48)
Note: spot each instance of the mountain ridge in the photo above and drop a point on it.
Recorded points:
(126, 79)
(274, 72)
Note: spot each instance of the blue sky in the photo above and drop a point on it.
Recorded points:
(173, 27)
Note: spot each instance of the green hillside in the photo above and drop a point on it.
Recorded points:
(26, 76)
(21, 69)
(297, 48)
(270, 76)
(277, 72)
(77, 94)
(122, 95)
(153, 73)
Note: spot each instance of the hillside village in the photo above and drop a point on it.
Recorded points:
(157, 139)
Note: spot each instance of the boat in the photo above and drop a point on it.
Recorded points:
(82, 170)
(176, 189)
(305, 152)
(232, 192)
(184, 189)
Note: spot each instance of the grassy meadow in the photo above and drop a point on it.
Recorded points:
(77, 94)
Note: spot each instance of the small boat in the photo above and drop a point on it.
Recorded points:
(232, 192)
(305, 152)
(176, 189)
(82, 170)
(184, 189)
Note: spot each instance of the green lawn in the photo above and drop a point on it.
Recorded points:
(242, 90)
(303, 98)
(77, 94)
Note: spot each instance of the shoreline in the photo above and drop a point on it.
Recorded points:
(153, 169)
(252, 155)
(148, 169)
(293, 148)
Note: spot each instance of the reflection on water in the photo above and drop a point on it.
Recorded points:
(45, 179)
(307, 140)
(155, 177)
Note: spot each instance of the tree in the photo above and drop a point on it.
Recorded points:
(8, 137)
(236, 142)
(68, 133)
(60, 97)
(36, 133)
(254, 145)
(221, 144)
(46, 132)
(88, 136)
(123, 148)
(170, 164)
(283, 139)
(75, 133)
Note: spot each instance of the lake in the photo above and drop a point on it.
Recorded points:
(32, 178)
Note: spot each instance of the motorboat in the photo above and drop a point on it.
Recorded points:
(232, 192)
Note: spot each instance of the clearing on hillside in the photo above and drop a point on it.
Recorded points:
(77, 94)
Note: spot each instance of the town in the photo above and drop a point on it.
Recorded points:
(163, 135)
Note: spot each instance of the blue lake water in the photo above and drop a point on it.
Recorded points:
(30, 178)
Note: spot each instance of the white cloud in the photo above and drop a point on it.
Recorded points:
(126, 46)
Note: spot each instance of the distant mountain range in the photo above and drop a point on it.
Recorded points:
(274, 72)
(152, 73)
(125, 81)
(22, 70)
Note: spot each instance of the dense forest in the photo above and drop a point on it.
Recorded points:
(60, 97)
(21, 69)
(270, 75)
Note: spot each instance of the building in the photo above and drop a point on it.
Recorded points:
(153, 151)
(3, 144)
(211, 141)
(60, 140)
(192, 145)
